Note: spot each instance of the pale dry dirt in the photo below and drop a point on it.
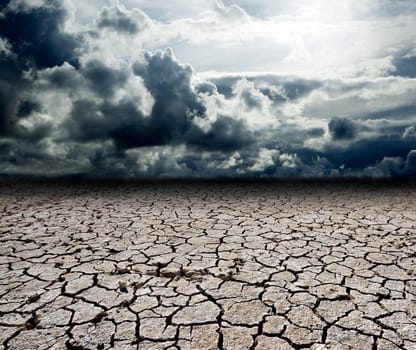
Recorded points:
(204, 265)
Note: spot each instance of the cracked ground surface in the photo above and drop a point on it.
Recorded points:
(207, 266)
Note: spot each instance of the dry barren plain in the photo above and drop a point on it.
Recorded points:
(207, 265)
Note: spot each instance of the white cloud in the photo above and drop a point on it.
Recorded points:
(5, 47)
(342, 37)
(410, 133)
(265, 158)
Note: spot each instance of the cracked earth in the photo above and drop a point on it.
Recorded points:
(207, 266)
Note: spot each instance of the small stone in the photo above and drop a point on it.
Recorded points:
(123, 287)
(33, 298)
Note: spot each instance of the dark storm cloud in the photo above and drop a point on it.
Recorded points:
(11, 83)
(410, 164)
(27, 107)
(23, 155)
(393, 167)
(37, 40)
(37, 37)
(226, 134)
(342, 129)
(169, 84)
(8, 100)
(361, 153)
(150, 118)
(176, 104)
(87, 123)
(162, 74)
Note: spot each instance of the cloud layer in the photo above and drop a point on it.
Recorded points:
(97, 99)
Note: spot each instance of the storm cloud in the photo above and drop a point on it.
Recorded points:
(342, 129)
(111, 98)
(44, 45)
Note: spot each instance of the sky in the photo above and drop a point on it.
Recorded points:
(208, 88)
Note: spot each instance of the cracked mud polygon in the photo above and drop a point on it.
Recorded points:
(208, 266)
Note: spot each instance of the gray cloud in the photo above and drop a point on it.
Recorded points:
(63, 77)
(405, 65)
(119, 19)
(102, 79)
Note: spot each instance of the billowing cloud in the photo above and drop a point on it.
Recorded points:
(110, 98)
(118, 18)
